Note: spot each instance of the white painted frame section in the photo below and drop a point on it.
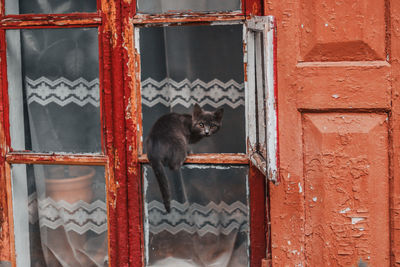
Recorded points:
(262, 124)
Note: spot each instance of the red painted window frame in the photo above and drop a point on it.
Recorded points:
(120, 106)
(105, 23)
(259, 210)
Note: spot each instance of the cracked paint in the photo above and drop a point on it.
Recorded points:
(341, 170)
(355, 220)
(345, 210)
(339, 117)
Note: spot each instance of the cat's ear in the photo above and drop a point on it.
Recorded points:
(197, 111)
(218, 114)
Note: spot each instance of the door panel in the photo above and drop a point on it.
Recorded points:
(336, 97)
(346, 189)
(342, 30)
(343, 86)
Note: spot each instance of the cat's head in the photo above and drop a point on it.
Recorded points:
(206, 123)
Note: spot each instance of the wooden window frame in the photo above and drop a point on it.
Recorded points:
(259, 204)
(262, 96)
(102, 21)
(120, 116)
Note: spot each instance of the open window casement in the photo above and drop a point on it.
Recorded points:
(261, 106)
(180, 66)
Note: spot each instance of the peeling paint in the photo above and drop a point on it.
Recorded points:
(38, 20)
(300, 188)
(355, 220)
(335, 96)
(344, 210)
(336, 166)
(173, 19)
(344, 162)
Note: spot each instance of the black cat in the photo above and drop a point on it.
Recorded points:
(168, 142)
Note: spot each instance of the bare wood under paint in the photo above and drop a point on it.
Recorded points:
(207, 158)
(53, 158)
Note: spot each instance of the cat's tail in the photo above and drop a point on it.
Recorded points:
(183, 187)
(162, 180)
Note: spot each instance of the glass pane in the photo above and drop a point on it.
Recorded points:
(169, 6)
(53, 84)
(260, 94)
(60, 215)
(185, 65)
(209, 219)
(49, 6)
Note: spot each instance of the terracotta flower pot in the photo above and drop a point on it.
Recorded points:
(71, 184)
(78, 186)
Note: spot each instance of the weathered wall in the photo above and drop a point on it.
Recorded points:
(338, 71)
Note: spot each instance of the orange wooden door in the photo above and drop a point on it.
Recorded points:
(338, 81)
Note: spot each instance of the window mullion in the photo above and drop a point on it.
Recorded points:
(210, 158)
(57, 20)
(191, 18)
(52, 158)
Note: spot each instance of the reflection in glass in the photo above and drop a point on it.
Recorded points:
(60, 215)
(168, 6)
(209, 219)
(53, 77)
(49, 6)
(185, 65)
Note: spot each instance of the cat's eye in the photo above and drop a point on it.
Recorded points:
(201, 124)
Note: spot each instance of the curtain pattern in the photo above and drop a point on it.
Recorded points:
(54, 87)
(209, 220)
(209, 228)
(62, 91)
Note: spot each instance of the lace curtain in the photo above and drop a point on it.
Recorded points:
(209, 220)
(60, 212)
(62, 224)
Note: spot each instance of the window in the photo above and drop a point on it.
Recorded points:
(83, 82)
(184, 59)
(262, 111)
(55, 158)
